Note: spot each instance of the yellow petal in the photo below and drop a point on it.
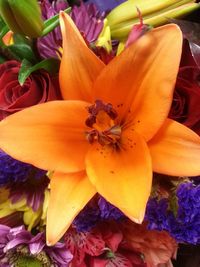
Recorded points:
(50, 136)
(140, 81)
(79, 65)
(69, 194)
(175, 150)
(122, 175)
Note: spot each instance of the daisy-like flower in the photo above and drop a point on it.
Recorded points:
(18, 247)
(50, 45)
(87, 18)
(111, 131)
(25, 188)
(89, 21)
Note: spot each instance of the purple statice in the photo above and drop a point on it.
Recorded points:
(87, 218)
(183, 226)
(108, 211)
(49, 45)
(106, 5)
(96, 211)
(156, 213)
(88, 20)
(18, 247)
(12, 171)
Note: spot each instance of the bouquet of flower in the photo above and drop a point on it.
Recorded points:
(99, 133)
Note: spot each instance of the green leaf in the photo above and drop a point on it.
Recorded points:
(21, 39)
(3, 31)
(2, 59)
(173, 203)
(53, 22)
(22, 51)
(51, 65)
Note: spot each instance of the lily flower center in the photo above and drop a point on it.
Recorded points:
(101, 120)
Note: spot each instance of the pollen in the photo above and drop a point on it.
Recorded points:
(101, 120)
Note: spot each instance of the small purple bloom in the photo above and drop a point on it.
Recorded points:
(88, 20)
(108, 211)
(96, 211)
(185, 226)
(12, 171)
(17, 245)
(105, 5)
(88, 217)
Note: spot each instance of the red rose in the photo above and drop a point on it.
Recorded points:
(38, 88)
(186, 102)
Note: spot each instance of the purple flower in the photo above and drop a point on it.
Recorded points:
(22, 180)
(185, 226)
(96, 211)
(105, 5)
(18, 247)
(108, 211)
(50, 9)
(156, 213)
(12, 171)
(88, 20)
(32, 190)
(49, 45)
(87, 218)
(86, 17)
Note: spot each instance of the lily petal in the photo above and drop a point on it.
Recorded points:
(122, 176)
(69, 194)
(79, 65)
(175, 150)
(50, 136)
(140, 81)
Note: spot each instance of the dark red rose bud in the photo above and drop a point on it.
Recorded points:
(39, 87)
(186, 102)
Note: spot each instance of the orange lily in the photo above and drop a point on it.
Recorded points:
(110, 132)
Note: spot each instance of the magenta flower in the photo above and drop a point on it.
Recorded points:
(87, 18)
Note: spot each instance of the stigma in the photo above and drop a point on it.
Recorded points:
(101, 120)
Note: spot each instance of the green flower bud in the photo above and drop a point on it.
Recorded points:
(22, 16)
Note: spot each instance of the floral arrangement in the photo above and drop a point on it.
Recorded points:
(99, 132)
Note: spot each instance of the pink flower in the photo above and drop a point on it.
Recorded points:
(102, 247)
(157, 247)
(82, 243)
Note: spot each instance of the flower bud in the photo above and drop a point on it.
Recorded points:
(154, 12)
(22, 16)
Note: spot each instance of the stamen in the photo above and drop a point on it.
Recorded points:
(96, 108)
(101, 120)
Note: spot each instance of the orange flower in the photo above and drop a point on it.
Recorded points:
(111, 131)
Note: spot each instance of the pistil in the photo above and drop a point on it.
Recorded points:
(102, 121)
